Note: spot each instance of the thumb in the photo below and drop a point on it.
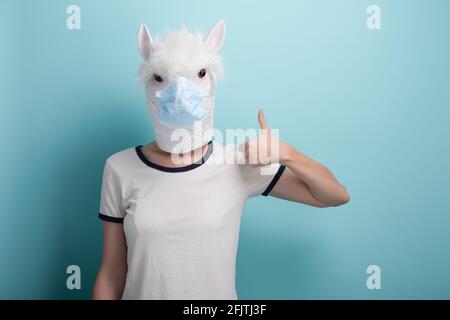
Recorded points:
(262, 120)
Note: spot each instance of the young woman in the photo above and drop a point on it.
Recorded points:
(172, 208)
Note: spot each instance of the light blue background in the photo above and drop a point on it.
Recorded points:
(373, 106)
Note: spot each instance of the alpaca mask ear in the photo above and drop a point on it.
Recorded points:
(215, 38)
(144, 42)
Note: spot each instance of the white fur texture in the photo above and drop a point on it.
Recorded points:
(180, 52)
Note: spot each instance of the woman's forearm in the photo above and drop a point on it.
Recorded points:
(108, 286)
(321, 182)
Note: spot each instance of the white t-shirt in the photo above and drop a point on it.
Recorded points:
(181, 224)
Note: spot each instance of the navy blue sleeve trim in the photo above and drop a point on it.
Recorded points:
(110, 219)
(274, 181)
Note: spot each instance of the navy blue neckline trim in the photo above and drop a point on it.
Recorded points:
(274, 181)
(174, 169)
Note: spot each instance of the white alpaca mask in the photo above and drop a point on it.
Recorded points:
(179, 73)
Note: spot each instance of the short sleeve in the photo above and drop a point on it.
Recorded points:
(111, 196)
(261, 180)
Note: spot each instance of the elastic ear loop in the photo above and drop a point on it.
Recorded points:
(212, 90)
(151, 97)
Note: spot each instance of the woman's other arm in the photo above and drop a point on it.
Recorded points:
(111, 277)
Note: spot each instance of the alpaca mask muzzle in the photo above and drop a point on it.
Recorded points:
(180, 103)
(182, 115)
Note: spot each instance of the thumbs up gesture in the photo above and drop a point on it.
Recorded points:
(266, 148)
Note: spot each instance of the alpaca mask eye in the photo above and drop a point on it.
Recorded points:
(157, 78)
(202, 73)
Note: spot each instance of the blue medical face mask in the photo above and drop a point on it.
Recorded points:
(181, 103)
